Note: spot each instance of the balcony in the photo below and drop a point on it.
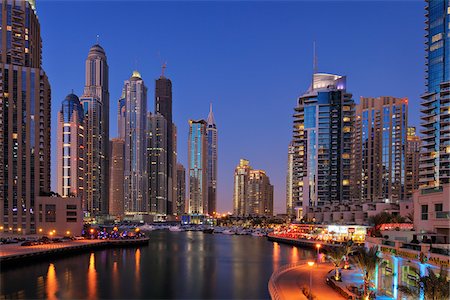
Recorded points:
(443, 215)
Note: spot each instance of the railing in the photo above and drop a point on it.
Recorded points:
(442, 215)
(414, 247)
(388, 243)
(441, 251)
(432, 190)
(273, 289)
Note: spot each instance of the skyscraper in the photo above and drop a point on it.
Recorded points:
(121, 111)
(163, 106)
(198, 162)
(378, 154)
(95, 101)
(435, 157)
(323, 125)
(181, 190)
(135, 189)
(211, 133)
(412, 161)
(24, 117)
(116, 172)
(289, 177)
(70, 149)
(157, 163)
(253, 193)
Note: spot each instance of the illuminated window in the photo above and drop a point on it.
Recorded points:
(346, 119)
(347, 129)
(436, 37)
(345, 182)
(346, 156)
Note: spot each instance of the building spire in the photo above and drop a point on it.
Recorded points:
(314, 58)
(163, 69)
(211, 120)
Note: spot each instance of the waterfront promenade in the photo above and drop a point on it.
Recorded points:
(289, 282)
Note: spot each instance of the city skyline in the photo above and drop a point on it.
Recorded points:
(247, 71)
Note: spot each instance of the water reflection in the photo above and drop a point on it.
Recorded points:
(92, 278)
(294, 254)
(52, 283)
(276, 255)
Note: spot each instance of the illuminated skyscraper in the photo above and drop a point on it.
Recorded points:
(157, 163)
(211, 132)
(240, 194)
(412, 161)
(116, 172)
(323, 125)
(121, 110)
(378, 153)
(163, 106)
(24, 117)
(289, 177)
(435, 157)
(181, 190)
(70, 149)
(135, 189)
(95, 101)
(198, 162)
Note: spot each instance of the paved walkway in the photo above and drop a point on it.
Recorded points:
(289, 284)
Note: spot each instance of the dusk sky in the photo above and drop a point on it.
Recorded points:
(250, 59)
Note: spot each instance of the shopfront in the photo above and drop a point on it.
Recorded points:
(387, 278)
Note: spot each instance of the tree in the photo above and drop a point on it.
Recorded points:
(336, 256)
(432, 286)
(367, 261)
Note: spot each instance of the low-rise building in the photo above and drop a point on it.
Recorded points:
(58, 216)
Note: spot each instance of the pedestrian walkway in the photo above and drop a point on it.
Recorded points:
(289, 284)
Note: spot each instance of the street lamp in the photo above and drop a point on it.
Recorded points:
(318, 248)
(310, 263)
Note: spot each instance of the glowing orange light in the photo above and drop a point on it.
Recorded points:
(318, 246)
(40, 229)
(137, 229)
(115, 229)
(67, 232)
(92, 230)
(310, 263)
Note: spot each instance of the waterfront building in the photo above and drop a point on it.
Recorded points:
(135, 173)
(378, 154)
(211, 133)
(435, 157)
(197, 163)
(322, 139)
(121, 112)
(116, 173)
(181, 190)
(70, 149)
(95, 101)
(163, 106)
(253, 193)
(157, 163)
(260, 194)
(412, 161)
(59, 216)
(289, 180)
(24, 117)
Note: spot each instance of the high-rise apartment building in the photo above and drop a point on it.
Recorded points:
(378, 154)
(24, 117)
(70, 149)
(323, 125)
(197, 164)
(116, 173)
(135, 188)
(121, 112)
(95, 101)
(253, 193)
(163, 106)
(412, 161)
(181, 190)
(290, 211)
(157, 163)
(211, 133)
(435, 157)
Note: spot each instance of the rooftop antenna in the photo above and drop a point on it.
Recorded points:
(314, 58)
(163, 68)
(98, 37)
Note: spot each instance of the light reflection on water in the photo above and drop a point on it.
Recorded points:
(173, 265)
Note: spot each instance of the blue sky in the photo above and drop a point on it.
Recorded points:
(250, 59)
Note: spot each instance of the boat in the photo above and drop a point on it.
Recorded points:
(147, 227)
(175, 228)
(228, 231)
(208, 230)
(257, 233)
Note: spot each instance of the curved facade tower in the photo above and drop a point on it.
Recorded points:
(95, 102)
(24, 117)
(70, 149)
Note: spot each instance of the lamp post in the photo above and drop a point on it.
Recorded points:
(310, 263)
(318, 253)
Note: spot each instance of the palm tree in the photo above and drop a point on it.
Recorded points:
(367, 261)
(336, 256)
(432, 286)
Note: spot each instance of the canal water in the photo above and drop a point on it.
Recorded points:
(181, 265)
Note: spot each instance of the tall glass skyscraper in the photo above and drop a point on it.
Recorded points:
(135, 189)
(197, 164)
(289, 181)
(24, 117)
(70, 149)
(435, 157)
(211, 133)
(95, 101)
(323, 125)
